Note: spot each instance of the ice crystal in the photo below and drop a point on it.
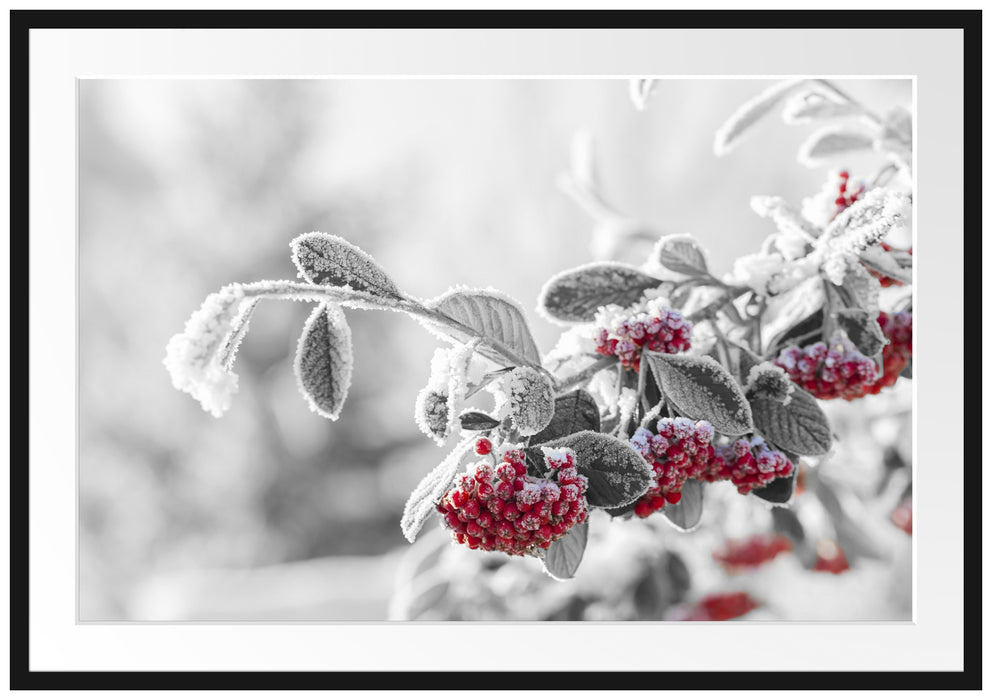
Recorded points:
(532, 399)
(193, 357)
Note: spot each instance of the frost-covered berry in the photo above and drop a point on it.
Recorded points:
(735, 555)
(506, 510)
(656, 328)
(832, 371)
(483, 446)
(847, 192)
(681, 450)
(748, 464)
(898, 328)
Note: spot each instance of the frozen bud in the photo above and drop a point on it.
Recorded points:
(770, 381)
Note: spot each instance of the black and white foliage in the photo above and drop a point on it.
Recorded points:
(617, 370)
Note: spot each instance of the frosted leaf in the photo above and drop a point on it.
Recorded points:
(686, 514)
(574, 412)
(324, 360)
(492, 315)
(194, 357)
(812, 105)
(833, 141)
(575, 295)
(862, 289)
(781, 490)
(703, 390)
(770, 273)
(801, 426)
(330, 260)
(532, 403)
(787, 220)
(749, 113)
(767, 380)
(681, 252)
(430, 490)
(896, 138)
(563, 557)
(859, 228)
(617, 474)
(477, 420)
(640, 90)
(895, 264)
(239, 329)
(626, 405)
(863, 330)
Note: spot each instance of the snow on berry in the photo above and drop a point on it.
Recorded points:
(837, 370)
(625, 333)
(680, 450)
(503, 509)
(830, 557)
(883, 279)
(748, 464)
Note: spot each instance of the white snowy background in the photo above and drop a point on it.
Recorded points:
(274, 512)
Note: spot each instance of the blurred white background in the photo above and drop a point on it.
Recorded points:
(184, 186)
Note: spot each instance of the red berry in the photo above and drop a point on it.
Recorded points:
(483, 446)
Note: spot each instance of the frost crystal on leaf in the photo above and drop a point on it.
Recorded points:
(438, 403)
(193, 358)
(331, 260)
(532, 400)
(859, 227)
(324, 360)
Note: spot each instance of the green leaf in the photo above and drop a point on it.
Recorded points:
(477, 420)
(574, 412)
(574, 296)
(617, 473)
(564, 556)
(800, 425)
(686, 514)
(493, 316)
(430, 490)
(702, 389)
(681, 253)
(330, 260)
(324, 360)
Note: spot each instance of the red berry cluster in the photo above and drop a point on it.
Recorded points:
(680, 450)
(829, 372)
(898, 328)
(748, 464)
(496, 506)
(752, 552)
(663, 330)
(885, 280)
(846, 197)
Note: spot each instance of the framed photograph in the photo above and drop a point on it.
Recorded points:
(648, 384)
